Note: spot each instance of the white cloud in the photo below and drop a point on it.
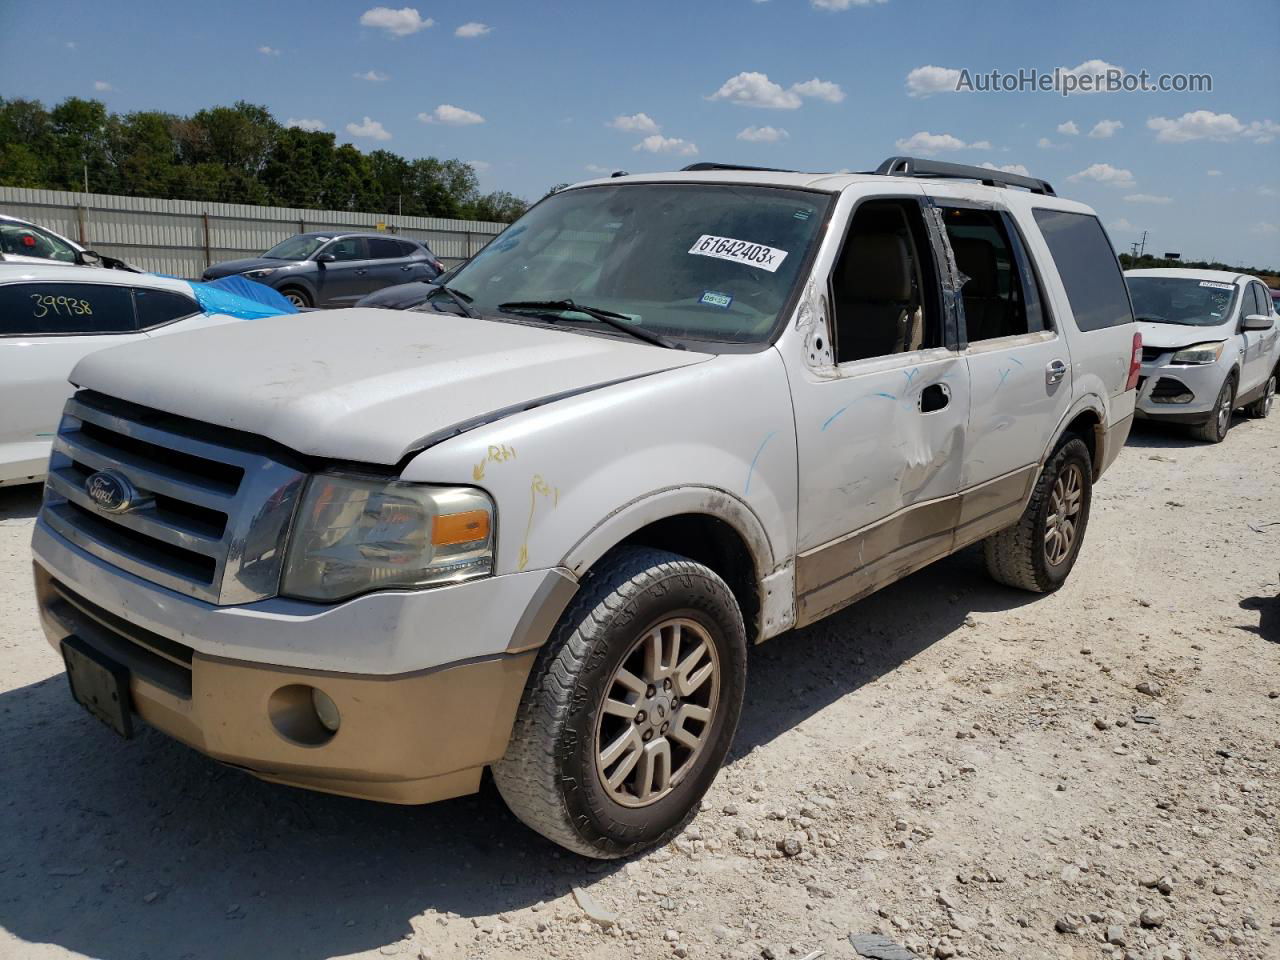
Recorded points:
(1213, 173)
(70, 44)
(451, 116)
(751, 89)
(1268, 192)
(1093, 68)
(634, 123)
(819, 90)
(369, 128)
(1008, 168)
(1044, 143)
(1105, 173)
(1147, 198)
(1069, 128)
(763, 134)
(267, 51)
(472, 29)
(1207, 125)
(102, 86)
(480, 166)
(373, 76)
(1264, 228)
(838, 5)
(657, 143)
(303, 123)
(398, 23)
(596, 168)
(1122, 225)
(923, 81)
(1104, 129)
(926, 143)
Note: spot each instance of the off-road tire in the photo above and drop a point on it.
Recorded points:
(1016, 556)
(290, 293)
(1260, 409)
(1214, 430)
(548, 775)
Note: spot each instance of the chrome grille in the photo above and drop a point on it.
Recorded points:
(211, 518)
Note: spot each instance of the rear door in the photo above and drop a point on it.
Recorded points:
(45, 328)
(1258, 352)
(1018, 359)
(390, 263)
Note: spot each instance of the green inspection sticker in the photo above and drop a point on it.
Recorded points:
(713, 298)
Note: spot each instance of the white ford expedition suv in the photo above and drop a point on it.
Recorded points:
(535, 523)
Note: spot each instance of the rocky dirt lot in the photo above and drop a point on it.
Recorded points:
(965, 769)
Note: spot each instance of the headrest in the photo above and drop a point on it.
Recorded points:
(876, 267)
(976, 259)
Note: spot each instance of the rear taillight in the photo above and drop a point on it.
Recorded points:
(1135, 363)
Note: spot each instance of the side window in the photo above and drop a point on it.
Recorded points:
(884, 288)
(158, 307)
(407, 249)
(380, 249)
(43, 309)
(999, 292)
(1088, 267)
(21, 240)
(1263, 299)
(348, 248)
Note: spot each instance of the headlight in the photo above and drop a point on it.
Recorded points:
(264, 272)
(356, 534)
(1200, 353)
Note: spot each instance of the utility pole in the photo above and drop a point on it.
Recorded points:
(86, 174)
(1139, 246)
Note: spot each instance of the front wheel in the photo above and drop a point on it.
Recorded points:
(1039, 550)
(297, 296)
(1214, 430)
(631, 706)
(1260, 409)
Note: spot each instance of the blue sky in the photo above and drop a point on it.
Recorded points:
(532, 92)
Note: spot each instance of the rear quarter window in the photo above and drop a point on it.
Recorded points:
(158, 307)
(51, 309)
(1088, 267)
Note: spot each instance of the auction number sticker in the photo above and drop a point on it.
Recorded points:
(739, 251)
(1216, 285)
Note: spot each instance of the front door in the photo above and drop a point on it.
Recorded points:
(344, 279)
(1019, 365)
(1257, 352)
(880, 416)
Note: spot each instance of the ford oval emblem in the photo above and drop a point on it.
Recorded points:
(110, 492)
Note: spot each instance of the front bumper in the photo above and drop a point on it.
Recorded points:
(1183, 393)
(410, 736)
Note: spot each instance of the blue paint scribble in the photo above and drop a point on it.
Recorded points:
(750, 470)
(1016, 360)
(887, 396)
(1004, 375)
(910, 374)
(826, 423)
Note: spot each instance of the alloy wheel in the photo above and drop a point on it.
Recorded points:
(657, 712)
(1062, 523)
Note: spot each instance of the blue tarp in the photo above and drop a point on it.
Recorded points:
(239, 297)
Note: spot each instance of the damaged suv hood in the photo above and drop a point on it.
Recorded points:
(360, 384)
(1174, 336)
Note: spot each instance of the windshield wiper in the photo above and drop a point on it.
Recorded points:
(457, 296)
(618, 321)
(1152, 317)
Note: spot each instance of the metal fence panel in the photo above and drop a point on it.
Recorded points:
(182, 237)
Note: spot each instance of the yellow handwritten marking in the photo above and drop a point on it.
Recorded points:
(537, 487)
(496, 454)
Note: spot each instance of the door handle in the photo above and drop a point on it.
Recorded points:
(361, 273)
(933, 398)
(1055, 372)
(406, 268)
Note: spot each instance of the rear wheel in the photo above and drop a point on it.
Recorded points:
(1214, 430)
(1260, 409)
(1038, 552)
(297, 296)
(631, 707)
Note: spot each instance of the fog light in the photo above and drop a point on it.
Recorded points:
(326, 710)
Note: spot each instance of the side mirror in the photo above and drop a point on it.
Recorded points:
(1258, 321)
(88, 258)
(325, 258)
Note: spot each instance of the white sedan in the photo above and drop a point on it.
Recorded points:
(1210, 344)
(52, 315)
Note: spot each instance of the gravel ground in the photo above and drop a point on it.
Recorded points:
(967, 770)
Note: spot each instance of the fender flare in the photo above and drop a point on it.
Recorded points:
(672, 502)
(1089, 403)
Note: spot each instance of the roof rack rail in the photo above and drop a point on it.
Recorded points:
(708, 165)
(916, 167)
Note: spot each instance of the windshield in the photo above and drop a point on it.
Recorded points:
(295, 248)
(702, 262)
(1181, 300)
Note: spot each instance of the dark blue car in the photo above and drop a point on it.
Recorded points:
(334, 269)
